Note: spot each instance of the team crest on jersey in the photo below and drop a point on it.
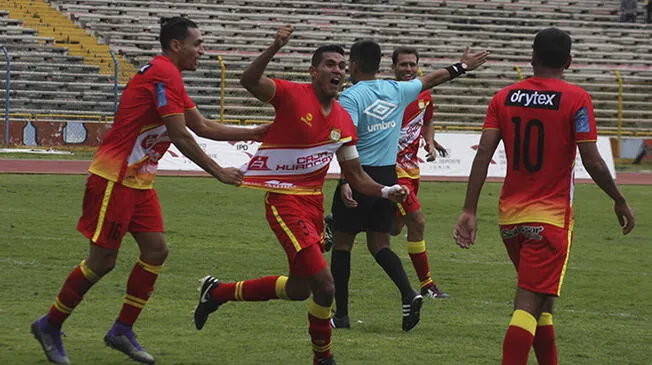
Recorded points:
(422, 103)
(335, 135)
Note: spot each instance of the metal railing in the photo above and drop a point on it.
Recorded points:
(620, 110)
(115, 82)
(107, 118)
(7, 90)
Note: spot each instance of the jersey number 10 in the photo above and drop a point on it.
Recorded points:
(522, 145)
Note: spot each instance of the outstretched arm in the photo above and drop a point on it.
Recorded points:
(252, 78)
(471, 61)
(184, 141)
(222, 132)
(597, 168)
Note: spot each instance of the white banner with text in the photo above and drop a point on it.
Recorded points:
(461, 151)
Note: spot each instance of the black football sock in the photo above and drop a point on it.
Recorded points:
(341, 269)
(392, 265)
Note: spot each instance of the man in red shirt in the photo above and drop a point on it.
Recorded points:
(119, 198)
(291, 165)
(417, 122)
(541, 121)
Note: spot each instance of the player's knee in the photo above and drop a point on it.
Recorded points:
(156, 254)
(417, 223)
(375, 247)
(162, 252)
(327, 289)
(342, 245)
(101, 261)
(396, 230)
(298, 294)
(324, 293)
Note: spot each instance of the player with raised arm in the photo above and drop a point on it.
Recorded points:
(154, 111)
(417, 123)
(377, 108)
(542, 121)
(291, 164)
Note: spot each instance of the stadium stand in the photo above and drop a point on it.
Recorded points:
(238, 30)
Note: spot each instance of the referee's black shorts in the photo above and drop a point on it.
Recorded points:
(372, 213)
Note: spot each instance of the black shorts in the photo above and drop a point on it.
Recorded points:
(373, 213)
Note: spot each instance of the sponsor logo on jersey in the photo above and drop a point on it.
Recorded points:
(316, 160)
(162, 100)
(380, 109)
(279, 184)
(381, 126)
(582, 121)
(258, 163)
(531, 232)
(534, 99)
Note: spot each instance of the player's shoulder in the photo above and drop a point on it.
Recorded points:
(160, 68)
(291, 84)
(572, 88)
(162, 63)
(425, 95)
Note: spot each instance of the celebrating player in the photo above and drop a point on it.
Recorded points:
(417, 122)
(154, 112)
(541, 122)
(377, 108)
(291, 165)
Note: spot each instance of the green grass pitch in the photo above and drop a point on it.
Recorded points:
(602, 317)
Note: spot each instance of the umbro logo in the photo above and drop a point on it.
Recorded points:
(380, 109)
(534, 99)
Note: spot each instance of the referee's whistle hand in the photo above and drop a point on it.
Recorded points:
(399, 195)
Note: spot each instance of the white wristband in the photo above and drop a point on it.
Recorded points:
(386, 190)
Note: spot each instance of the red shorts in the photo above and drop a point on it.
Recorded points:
(298, 222)
(411, 204)
(110, 210)
(540, 254)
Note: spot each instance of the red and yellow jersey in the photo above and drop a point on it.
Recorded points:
(541, 121)
(416, 114)
(299, 146)
(130, 151)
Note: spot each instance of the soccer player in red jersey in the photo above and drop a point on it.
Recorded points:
(541, 121)
(417, 122)
(291, 165)
(119, 198)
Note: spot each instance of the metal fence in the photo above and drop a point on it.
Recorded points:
(87, 128)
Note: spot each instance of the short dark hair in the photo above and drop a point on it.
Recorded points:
(404, 50)
(318, 55)
(174, 28)
(552, 47)
(367, 55)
